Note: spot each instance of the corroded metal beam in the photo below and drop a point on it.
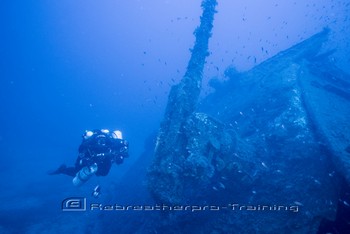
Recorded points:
(184, 96)
(182, 101)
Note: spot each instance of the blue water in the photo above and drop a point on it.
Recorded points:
(68, 66)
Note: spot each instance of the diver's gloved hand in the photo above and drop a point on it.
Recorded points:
(58, 170)
(93, 168)
(124, 150)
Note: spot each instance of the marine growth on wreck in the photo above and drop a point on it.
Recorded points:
(264, 147)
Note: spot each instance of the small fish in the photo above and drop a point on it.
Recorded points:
(264, 165)
(346, 203)
(215, 188)
(298, 203)
(222, 185)
(317, 182)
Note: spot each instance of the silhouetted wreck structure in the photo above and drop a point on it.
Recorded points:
(276, 136)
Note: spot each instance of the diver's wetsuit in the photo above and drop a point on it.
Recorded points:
(101, 149)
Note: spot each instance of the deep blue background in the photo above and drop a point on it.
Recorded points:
(67, 66)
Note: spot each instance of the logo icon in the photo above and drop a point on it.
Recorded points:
(74, 204)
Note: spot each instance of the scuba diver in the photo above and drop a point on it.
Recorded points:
(97, 152)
